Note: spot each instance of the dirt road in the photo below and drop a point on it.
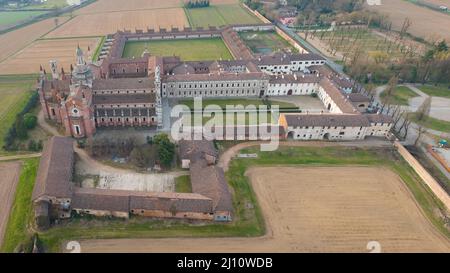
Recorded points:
(336, 213)
(9, 177)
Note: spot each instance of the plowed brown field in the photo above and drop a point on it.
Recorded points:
(316, 209)
(426, 23)
(109, 23)
(28, 60)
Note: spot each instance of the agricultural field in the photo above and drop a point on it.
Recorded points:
(9, 18)
(8, 182)
(49, 4)
(426, 23)
(220, 15)
(16, 40)
(311, 183)
(106, 6)
(40, 52)
(265, 42)
(436, 91)
(345, 42)
(401, 95)
(188, 50)
(108, 23)
(14, 94)
(21, 215)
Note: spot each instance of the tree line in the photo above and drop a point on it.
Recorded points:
(24, 122)
(192, 4)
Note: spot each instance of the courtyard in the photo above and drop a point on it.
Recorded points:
(187, 49)
(265, 42)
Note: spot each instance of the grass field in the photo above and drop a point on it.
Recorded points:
(21, 212)
(188, 50)
(222, 103)
(432, 123)
(401, 96)
(220, 15)
(436, 91)
(248, 218)
(265, 42)
(14, 94)
(183, 184)
(50, 4)
(8, 18)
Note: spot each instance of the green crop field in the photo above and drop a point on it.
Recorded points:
(14, 94)
(49, 4)
(220, 15)
(265, 42)
(8, 18)
(188, 50)
(17, 232)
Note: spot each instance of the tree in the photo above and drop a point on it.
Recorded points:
(21, 130)
(420, 131)
(165, 148)
(424, 109)
(29, 120)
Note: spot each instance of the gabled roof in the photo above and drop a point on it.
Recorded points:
(54, 177)
(210, 182)
(193, 149)
(303, 120)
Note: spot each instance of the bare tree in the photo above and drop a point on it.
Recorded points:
(424, 109)
(420, 131)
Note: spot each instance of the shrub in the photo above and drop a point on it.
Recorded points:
(30, 120)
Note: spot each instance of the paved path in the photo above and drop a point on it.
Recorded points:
(440, 107)
(44, 125)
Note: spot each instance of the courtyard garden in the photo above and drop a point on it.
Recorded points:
(188, 50)
(265, 42)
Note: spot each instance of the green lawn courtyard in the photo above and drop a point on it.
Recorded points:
(188, 49)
